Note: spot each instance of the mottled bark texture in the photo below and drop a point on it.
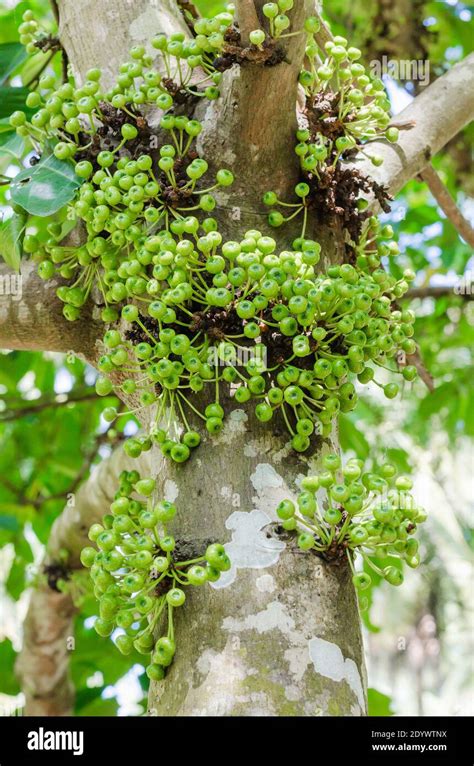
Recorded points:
(278, 634)
(101, 33)
(283, 635)
(251, 127)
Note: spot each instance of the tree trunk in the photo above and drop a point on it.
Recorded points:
(280, 633)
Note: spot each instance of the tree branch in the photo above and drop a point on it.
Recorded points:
(31, 316)
(190, 13)
(448, 205)
(443, 109)
(43, 663)
(246, 15)
(425, 375)
(86, 466)
(324, 35)
(15, 410)
(439, 291)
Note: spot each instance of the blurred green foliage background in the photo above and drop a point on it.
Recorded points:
(418, 637)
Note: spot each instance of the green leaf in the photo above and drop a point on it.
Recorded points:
(46, 187)
(5, 126)
(378, 703)
(100, 707)
(85, 696)
(400, 458)
(13, 145)
(435, 400)
(352, 438)
(12, 56)
(11, 235)
(23, 549)
(15, 583)
(22, 510)
(9, 522)
(9, 683)
(12, 99)
(34, 66)
(12, 149)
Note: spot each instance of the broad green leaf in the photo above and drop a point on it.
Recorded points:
(14, 366)
(435, 400)
(13, 145)
(352, 437)
(15, 583)
(67, 226)
(378, 703)
(5, 126)
(34, 66)
(86, 696)
(11, 235)
(12, 56)
(210, 7)
(400, 458)
(8, 683)
(12, 99)
(12, 149)
(23, 549)
(100, 707)
(24, 511)
(44, 372)
(46, 187)
(9, 522)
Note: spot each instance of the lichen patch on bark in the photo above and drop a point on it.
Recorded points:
(170, 490)
(329, 661)
(249, 547)
(274, 617)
